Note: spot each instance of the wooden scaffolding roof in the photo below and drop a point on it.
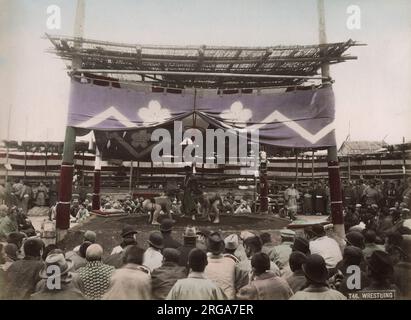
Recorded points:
(202, 66)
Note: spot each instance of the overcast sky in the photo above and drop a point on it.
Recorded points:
(373, 93)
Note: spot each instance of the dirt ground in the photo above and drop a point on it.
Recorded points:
(108, 229)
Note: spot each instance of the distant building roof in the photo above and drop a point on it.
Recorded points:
(361, 147)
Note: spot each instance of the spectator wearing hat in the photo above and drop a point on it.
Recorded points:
(220, 269)
(128, 238)
(79, 258)
(402, 270)
(370, 245)
(352, 256)
(8, 223)
(252, 246)
(316, 274)
(371, 195)
(393, 244)
(23, 275)
(89, 236)
(164, 277)
(302, 245)
(65, 290)
(281, 252)
(94, 279)
(9, 253)
(356, 239)
(296, 279)
(132, 281)
(264, 284)
(152, 257)
(189, 243)
(268, 245)
(384, 224)
(231, 243)
(380, 272)
(196, 286)
(325, 246)
(166, 230)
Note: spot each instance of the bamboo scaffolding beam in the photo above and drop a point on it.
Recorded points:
(204, 74)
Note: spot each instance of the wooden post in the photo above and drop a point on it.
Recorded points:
(296, 169)
(46, 164)
(312, 167)
(67, 166)
(95, 204)
(337, 217)
(25, 163)
(404, 162)
(349, 167)
(130, 185)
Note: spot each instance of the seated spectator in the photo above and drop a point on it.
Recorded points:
(296, 279)
(189, 243)
(252, 246)
(370, 238)
(316, 274)
(220, 269)
(196, 286)
(152, 257)
(10, 254)
(352, 256)
(402, 270)
(380, 272)
(164, 277)
(23, 275)
(393, 244)
(94, 279)
(264, 284)
(64, 290)
(8, 223)
(132, 281)
(268, 245)
(166, 230)
(128, 234)
(243, 208)
(79, 258)
(302, 245)
(325, 246)
(231, 243)
(17, 239)
(281, 252)
(356, 239)
(89, 236)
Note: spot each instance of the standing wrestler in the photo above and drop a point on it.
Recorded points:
(210, 205)
(155, 205)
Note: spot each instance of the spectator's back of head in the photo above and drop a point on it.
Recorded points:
(133, 254)
(355, 238)
(352, 256)
(11, 251)
(296, 261)
(94, 252)
(253, 243)
(83, 248)
(260, 263)
(318, 230)
(302, 245)
(265, 237)
(90, 236)
(48, 249)
(171, 255)
(370, 236)
(197, 260)
(33, 247)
